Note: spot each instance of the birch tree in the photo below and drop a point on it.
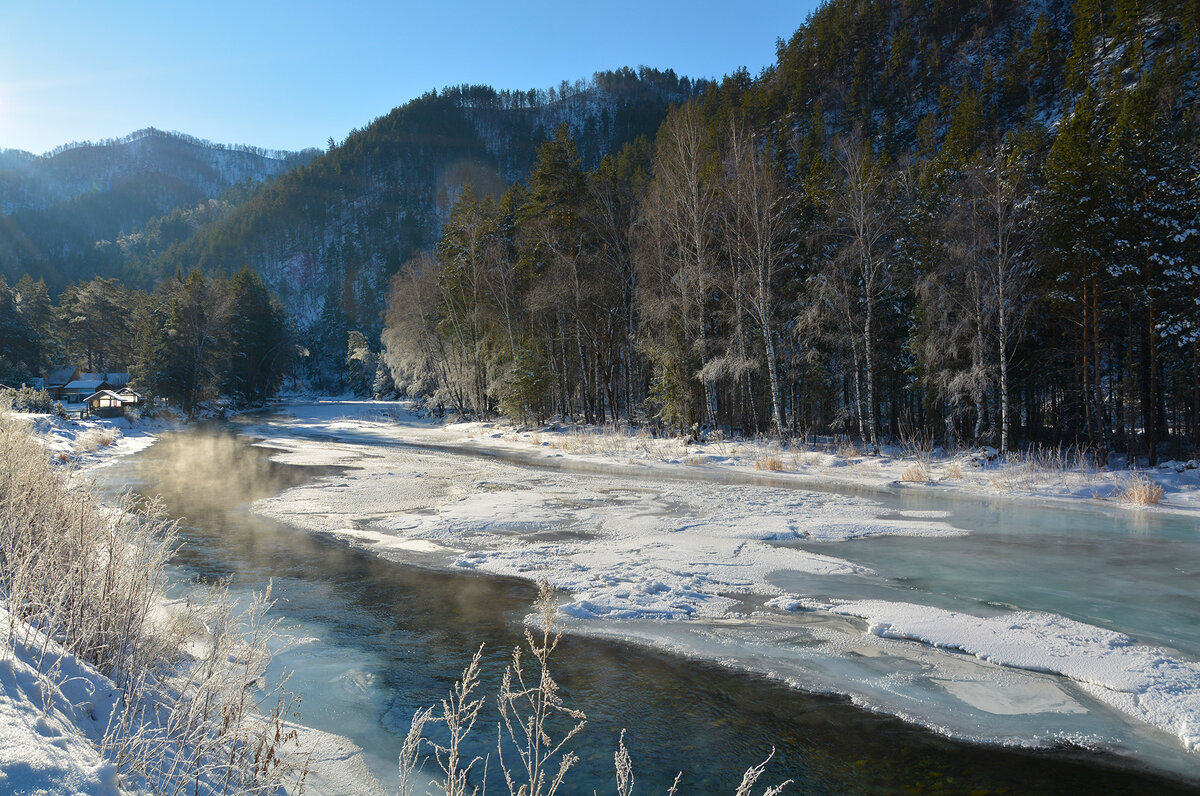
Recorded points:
(863, 218)
(683, 201)
(757, 217)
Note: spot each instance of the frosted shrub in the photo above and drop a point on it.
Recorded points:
(536, 726)
(94, 439)
(29, 399)
(86, 576)
(530, 704)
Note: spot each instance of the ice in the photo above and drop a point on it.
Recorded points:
(1158, 686)
(644, 533)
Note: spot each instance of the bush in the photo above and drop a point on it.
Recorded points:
(29, 399)
(535, 730)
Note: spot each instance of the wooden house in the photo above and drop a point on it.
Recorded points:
(55, 380)
(109, 403)
(104, 403)
(79, 390)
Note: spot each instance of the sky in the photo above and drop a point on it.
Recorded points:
(291, 75)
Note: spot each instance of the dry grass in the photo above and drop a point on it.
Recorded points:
(1139, 490)
(94, 439)
(847, 450)
(693, 461)
(1031, 469)
(86, 575)
(533, 737)
(915, 474)
(773, 463)
(954, 471)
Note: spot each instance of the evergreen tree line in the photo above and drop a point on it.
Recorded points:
(190, 340)
(1021, 266)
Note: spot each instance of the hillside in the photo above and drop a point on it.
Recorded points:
(57, 206)
(327, 236)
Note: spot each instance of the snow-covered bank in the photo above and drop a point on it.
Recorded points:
(1037, 477)
(96, 442)
(50, 726)
(637, 530)
(55, 708)
(181, 700)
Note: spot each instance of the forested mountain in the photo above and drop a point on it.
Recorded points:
(64, 211)
(327, 236)
(930, 218)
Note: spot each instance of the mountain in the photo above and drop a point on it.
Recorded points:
(56, 207)
(328, 235)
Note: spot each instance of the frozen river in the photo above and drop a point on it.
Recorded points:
(709, 614)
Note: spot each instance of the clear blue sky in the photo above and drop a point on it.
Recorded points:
(290, 75)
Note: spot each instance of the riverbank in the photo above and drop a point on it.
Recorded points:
(641, 532)
(96, 442)
(64, 722)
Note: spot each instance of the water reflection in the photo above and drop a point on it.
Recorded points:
(383, 639)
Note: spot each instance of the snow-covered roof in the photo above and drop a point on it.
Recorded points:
(112, 379)
(60, 376)
(107, 394)
(87, 384)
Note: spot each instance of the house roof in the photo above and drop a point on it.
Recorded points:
(106, 394)
(60, 376)
(113, 379)
(87, 384)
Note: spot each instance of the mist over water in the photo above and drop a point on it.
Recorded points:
(373, 640)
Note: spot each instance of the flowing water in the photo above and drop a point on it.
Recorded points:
(372, 640)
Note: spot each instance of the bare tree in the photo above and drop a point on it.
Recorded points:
(757, 222)
(1010, 268)
(863, 217)
(973, 300)
(682, 201)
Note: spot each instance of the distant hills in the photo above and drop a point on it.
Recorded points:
(325, 229)
(58, 209)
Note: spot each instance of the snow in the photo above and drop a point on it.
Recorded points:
(624, 547)
(86, 442)
(49, 725)
(1153, 684)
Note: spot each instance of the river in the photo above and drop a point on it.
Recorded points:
(371, 638)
